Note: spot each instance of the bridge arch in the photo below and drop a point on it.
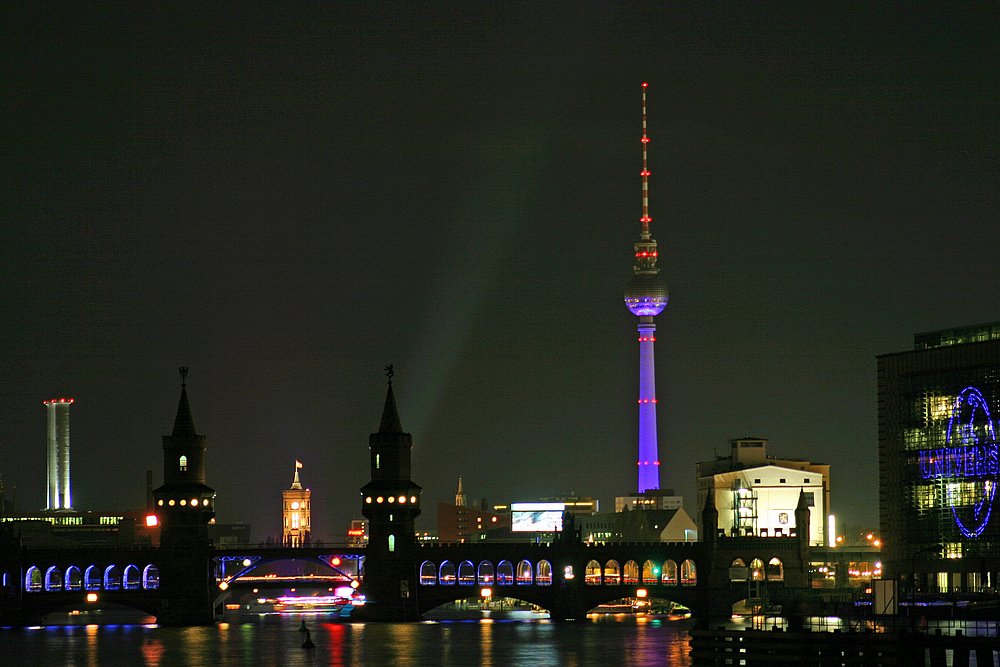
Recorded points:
(757, 569)
(151, 577)
(775, 570)
(543, 573)
(74, 580)
(592, 573)
(505, 573)
(130, 579)
(650, 572)
(428, 573)
(630, 573)
(53, 578)
(33, 579)
(466, 573)
(112, 578)
(670, 572)
(447, 573)
(92, 578)
(689, 573)
(485, 575)
(524, 574)
(612, 573)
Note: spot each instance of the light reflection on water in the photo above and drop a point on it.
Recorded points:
(528, 641)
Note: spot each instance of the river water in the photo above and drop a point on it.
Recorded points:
(516, 639)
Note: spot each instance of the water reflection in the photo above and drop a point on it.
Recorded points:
(276, 640)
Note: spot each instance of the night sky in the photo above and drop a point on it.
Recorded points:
(286, 200)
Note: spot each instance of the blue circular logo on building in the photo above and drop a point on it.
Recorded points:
(969, 462)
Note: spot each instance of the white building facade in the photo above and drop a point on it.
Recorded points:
(756, 494)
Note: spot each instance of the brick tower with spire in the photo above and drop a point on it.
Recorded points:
(390, 502)
(184, 507)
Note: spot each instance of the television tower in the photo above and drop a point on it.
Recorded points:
(58, 497)
(646, 297)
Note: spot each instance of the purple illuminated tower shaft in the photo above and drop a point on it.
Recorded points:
(646, 297)
(649, 460)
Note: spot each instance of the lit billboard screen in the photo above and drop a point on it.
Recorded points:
(536, 517)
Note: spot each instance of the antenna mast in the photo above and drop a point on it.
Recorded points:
(645, 170)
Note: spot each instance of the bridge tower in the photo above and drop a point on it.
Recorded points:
(646, 297)
(184, 507)
(390, 502)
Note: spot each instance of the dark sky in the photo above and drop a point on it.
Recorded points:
(286, 200)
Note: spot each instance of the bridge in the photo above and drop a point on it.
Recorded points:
(187, 579)
(567, 578)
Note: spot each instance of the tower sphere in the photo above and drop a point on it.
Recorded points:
(646, 294)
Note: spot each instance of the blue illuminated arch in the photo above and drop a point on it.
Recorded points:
(74, 580)
(428, 573)
(151, 577)
(112, 578)
(53, 579)
(505, 573)
(92, 578)
(33, 579)
(130, 580)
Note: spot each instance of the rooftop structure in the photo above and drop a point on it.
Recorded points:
(756, 494)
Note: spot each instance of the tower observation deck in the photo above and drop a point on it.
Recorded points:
(646, 297)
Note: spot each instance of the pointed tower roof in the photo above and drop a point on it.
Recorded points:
(296, 484)
(390, 416)
(184, 423)
(803, 501)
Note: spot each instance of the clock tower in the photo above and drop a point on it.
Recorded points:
(296, 513)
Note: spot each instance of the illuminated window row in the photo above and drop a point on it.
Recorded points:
(391, 499)
(611, 574)
(505, 574)
(183, 502)
(93, 578)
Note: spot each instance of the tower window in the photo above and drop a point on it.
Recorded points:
(392, 543)
(376, 461)
(183, 464)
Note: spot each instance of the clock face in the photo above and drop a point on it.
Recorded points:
(295, 505)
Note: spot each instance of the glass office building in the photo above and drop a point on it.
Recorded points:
(938, 460)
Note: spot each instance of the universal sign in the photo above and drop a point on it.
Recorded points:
(969, 456)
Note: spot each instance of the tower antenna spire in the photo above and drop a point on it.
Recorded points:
(645, 170)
